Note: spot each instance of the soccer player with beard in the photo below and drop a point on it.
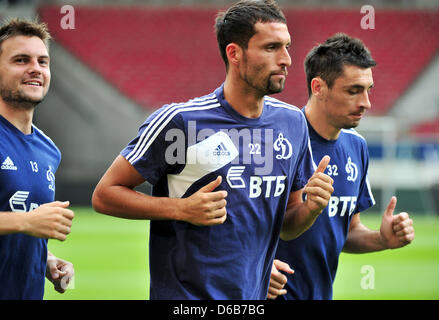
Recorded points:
(29, 159)
(227, 170)
(339, 78)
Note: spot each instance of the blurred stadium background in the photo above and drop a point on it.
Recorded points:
(124, 59)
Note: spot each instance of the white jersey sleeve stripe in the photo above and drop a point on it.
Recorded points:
(312, 157)
(149, 140)
(353, 131)
(162, 116)
(276, 103)
(159, 116)
(369, 189)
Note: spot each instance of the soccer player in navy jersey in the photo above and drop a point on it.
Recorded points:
(339, 78)
(29, 159)
(225, 169)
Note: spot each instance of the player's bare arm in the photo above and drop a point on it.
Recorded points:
(115, 195)
(300, 215)
(396, 231)
(51, 220)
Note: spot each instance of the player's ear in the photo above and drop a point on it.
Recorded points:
(318, 87)
(234, 53)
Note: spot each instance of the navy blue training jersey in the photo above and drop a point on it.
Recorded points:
(181, 148)
(27, 180)
(314, 255)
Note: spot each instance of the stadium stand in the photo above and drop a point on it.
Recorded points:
(155, 56)
(427, 129)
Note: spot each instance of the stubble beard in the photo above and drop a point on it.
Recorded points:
(19, 100)
(352, 125)
(346, 124)
(273, 87)
(267, 87)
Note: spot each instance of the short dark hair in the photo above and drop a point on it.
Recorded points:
(328, 59)
(18, 27)
(236, 25)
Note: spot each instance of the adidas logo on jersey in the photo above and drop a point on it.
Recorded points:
(8, 164)
(221, 150)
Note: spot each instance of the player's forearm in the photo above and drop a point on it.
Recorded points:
(362, 240)
(11, 222)
(126, 203)
(298, 218)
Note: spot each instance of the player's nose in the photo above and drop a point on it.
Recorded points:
(34, 67)
(365, 101)
(285, 58)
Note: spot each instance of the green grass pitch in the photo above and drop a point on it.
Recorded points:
(111, 262)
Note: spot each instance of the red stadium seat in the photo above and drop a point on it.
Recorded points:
(428, 129)
(157, 55)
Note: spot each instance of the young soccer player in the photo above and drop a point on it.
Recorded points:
(225, 168)
(29, 159)
(339, 78)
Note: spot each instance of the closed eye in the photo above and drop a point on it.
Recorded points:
(353, 92)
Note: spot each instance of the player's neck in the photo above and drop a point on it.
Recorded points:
(318, 119)
(246, 102)
(20, 118)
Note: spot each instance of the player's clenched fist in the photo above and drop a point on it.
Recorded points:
(51, 220)
(205, 207)
(319, 188)
(300, 215)
(277, 279)
(60, 272)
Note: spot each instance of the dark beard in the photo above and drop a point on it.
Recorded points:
(268, 89)
(17, 100)
(350, 126)
(271, 89)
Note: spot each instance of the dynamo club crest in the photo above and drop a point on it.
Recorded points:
(351, 170)
(283, 146)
